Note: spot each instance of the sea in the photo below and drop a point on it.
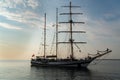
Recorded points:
(22, 70)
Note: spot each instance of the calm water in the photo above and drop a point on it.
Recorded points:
(21, 70)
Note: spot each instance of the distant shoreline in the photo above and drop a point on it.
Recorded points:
(107, 59)
(29, 60)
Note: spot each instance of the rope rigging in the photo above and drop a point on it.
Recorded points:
(40, 47)
(77, 47)
(98, 60)
(52, 43)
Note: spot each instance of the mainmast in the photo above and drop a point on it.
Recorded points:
(71, 40)
(71, 35)
(45, 36)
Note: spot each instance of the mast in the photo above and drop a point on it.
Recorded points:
(45, 36)
(56, 32)
(70, 22)
(71, 35)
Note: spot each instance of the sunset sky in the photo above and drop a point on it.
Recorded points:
(22, 21)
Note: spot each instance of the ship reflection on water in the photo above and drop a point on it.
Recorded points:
(53, 73)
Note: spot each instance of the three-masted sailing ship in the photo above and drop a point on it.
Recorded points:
(53, 60)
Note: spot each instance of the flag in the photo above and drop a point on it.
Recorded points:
(33, 55)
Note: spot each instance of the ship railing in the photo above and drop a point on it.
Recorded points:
(99, 53)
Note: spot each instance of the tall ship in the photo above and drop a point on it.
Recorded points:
(55, 60)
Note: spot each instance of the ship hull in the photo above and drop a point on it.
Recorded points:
(71, 63)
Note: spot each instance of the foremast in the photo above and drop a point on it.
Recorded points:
(45, 36)
(71, 22)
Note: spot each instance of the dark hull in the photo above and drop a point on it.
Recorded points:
(62, 63)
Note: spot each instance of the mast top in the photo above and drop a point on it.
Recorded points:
(71, 5)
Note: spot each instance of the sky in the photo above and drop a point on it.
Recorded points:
(22, 23)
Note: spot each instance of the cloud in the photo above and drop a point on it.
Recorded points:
(11, 3)
(112, 16)
(21, 14)
(29, 18)
(32, 3)
(14, 3)
(8, 26)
